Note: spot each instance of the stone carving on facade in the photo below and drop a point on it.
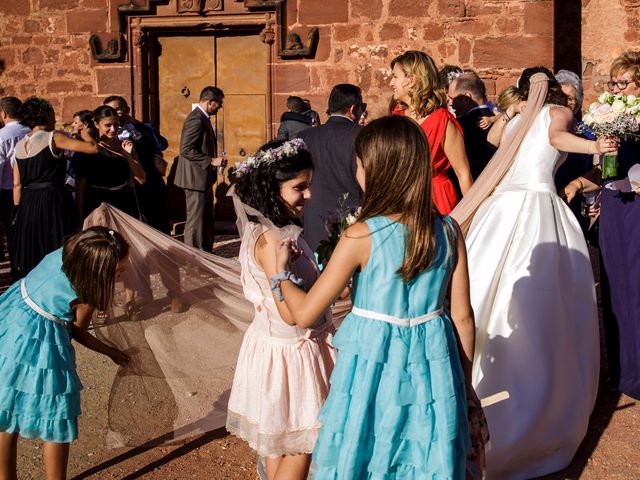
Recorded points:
(113, 51)
(198, 6)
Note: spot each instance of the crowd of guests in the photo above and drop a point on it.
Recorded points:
(446, 166)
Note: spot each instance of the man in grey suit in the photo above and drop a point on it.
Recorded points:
(195, 173)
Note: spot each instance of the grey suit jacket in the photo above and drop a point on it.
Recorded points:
(197, 146)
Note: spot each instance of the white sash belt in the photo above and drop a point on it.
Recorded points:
(36, 308)
(403, 322)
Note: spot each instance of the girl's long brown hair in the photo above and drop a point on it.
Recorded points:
(397, 163)
(428, 93)
(89, 260)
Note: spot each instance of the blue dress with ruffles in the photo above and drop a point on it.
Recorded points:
(39, 386)
(397, 405)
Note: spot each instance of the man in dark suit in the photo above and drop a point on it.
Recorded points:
(334, 155)
(468, 97)
(198, 156)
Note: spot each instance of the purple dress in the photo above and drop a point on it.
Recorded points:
(620, 249)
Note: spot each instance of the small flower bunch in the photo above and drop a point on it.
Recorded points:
(617, 115)
(266, 157)
(342, 219)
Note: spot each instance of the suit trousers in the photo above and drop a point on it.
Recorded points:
(198, 229)
(6, 211)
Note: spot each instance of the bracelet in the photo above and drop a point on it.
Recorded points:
(278, 278)
(505, 116)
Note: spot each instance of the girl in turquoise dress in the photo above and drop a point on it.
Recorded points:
(397, 406)
(39, 315)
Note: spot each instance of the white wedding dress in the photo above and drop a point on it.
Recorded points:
(533, 295)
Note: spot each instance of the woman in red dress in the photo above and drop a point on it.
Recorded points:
(417, 90)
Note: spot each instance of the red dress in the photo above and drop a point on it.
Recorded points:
(434, 126)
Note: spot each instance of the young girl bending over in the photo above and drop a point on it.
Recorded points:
(397, 407)
(282, 376)
(39, 315)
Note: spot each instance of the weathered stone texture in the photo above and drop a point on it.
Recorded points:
(44, 45)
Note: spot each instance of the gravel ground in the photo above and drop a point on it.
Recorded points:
(611, 449)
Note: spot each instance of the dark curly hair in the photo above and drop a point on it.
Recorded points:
(555, 95)
(260, 188)
(35, 112)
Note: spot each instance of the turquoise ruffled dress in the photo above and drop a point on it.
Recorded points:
(39, 386)
(397, 405)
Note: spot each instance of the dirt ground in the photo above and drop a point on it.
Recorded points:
(611, 449)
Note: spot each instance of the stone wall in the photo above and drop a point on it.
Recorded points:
(609, 27)
(44, 45)
(359, 38)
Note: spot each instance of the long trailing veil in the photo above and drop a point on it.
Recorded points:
(178, 380)
(502, 160)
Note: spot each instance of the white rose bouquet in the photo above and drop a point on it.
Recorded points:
(616, 115)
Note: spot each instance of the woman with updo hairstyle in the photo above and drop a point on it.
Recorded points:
(44, 210)
(108, 175)
(420, 95)
(282, 375)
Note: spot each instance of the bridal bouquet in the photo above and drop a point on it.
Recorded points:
(615, 115)
(336, 225)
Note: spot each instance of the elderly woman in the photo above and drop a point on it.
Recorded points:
(576, 164)
(619, 246)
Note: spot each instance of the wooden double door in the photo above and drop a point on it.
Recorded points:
(236, 63)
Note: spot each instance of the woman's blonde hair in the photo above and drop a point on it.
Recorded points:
(89, 260)
(395, 154)
(427, 94)
(508, 97)
(627, 62)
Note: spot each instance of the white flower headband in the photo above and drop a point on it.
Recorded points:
(269, 156)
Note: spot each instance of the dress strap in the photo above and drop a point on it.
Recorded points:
(36, 308)
(403, 322)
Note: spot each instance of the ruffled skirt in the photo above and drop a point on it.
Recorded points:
(397, 407)
(278, 389)
(39, 386)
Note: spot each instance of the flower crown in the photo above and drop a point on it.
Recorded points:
(269, 156)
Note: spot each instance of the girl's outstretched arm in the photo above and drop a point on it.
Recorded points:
(461, 310)
(351, 252)
(80, 335)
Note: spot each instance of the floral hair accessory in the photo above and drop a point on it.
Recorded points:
(451, 76)
(269, 156)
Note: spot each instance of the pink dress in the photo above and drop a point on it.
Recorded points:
(282, 375)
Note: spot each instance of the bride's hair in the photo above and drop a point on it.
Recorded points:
(260, 187)
(555, 95)
(397, 164)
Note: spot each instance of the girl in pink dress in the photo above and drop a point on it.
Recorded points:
(282, 375)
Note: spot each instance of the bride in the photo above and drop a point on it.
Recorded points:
(532, 290)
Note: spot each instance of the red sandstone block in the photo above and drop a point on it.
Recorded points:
(79, 21)
(391, 31)
(452, 8)
(61, 86)
(503, 82)
(409, 8)
(71, 104)
(291, 78)
(344, 33)
(366, 9)
(31, 26)
(33, 56)
(15, 7)
(512, 52)
(314, 12)
(481, 7)
(20, 40)
(473, 26)
(57, 4)
(432, 31)
(538, 18)
(509, 24)
(113, 80)
(364, 74)
(335, 76)
(464, 51)
(94, 3)
(292, 12)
